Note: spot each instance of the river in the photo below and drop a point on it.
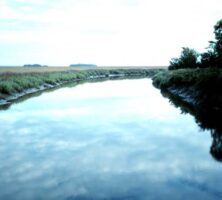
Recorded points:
(111, 140)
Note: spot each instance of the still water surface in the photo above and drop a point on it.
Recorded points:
(113, 140)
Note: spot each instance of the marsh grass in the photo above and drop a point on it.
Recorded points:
(209, 79)
(12, 83)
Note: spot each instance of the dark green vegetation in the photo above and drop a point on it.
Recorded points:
(193, 85)
(205, 79)
(13, 85)
(189, 58)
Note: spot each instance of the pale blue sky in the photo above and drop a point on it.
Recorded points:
(103, 32)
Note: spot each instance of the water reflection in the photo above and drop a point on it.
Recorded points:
(69, 85)
(39, 93)
(216, 147)
(208, 114)
(104, 141)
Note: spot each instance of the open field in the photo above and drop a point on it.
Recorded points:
(19, 70)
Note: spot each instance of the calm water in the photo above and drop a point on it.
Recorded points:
(118, 140)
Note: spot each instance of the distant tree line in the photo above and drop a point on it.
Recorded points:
(34, 65)
(83, 65)
(212, 58)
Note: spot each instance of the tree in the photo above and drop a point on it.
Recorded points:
(187, 59)
(218, 43)
(213, 57)
(208, 59)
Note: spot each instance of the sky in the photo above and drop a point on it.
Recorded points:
(104, 32)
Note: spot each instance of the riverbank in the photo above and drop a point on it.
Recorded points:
(14, 85)
(192, 85)
(199, 93)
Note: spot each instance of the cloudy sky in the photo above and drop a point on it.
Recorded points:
(103, 32)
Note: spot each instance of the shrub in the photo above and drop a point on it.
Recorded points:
(187, 59)
(208, 59)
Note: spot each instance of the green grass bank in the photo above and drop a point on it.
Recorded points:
(192, 85)
(15, 85)
(188, 77)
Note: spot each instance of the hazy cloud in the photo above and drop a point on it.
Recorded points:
(120, 32)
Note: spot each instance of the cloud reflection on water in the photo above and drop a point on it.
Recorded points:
(110, 140)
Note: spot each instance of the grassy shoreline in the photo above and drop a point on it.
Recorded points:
(187, 77)
(15, 85)
(192, 85)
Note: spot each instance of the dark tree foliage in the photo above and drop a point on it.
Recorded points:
(187, 59)
(218, 43)
(213, 57)
(208, 59)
